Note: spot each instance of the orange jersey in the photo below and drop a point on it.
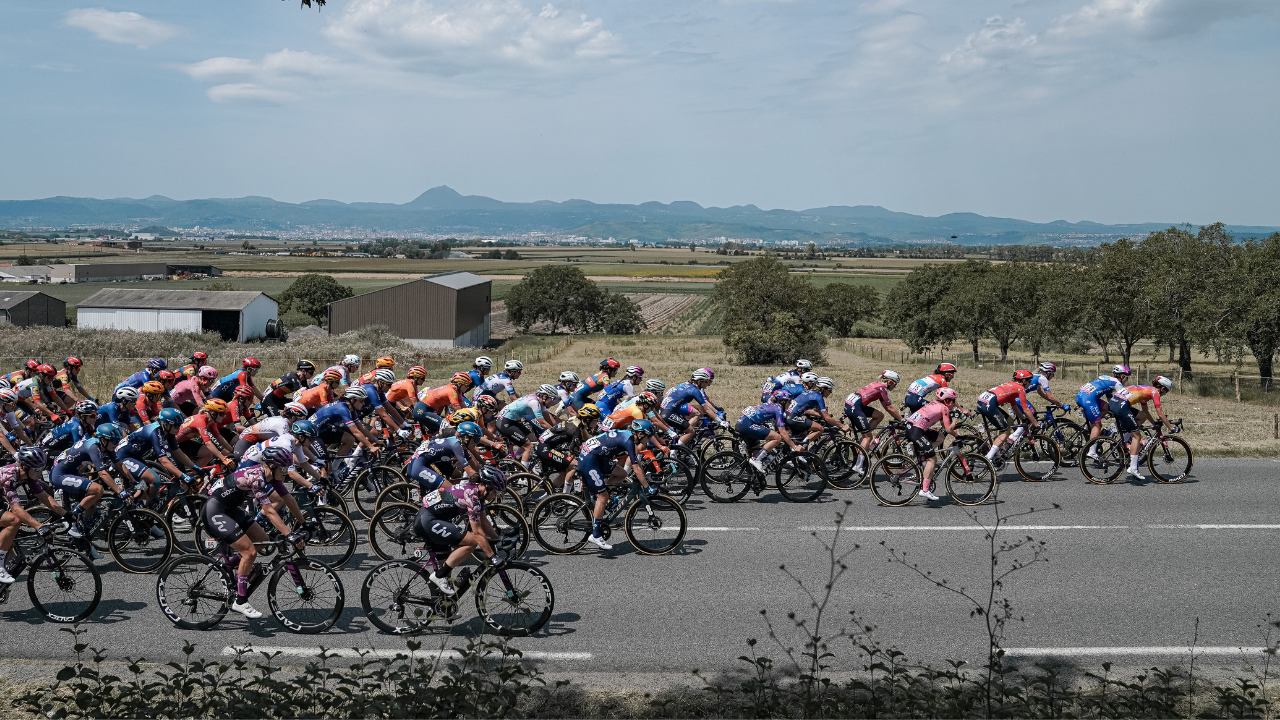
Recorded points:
(1137, 395)
(147, 410)
(1005, 393)
(316, 397)
(621, 418)
(442, 397)
(401, 390)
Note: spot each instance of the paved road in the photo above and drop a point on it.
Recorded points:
(1131, 566)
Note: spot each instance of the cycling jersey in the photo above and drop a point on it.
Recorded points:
(1039, 382)
(374, 400)
(608, 446)
(764, 414)
(675, 399)
(808, 400)
(496, 383)
(334, 417)
(402, 389)
(451, 503)
(316, 397)
(87, 450)
(589, 386)
(623, 417)
(285, 386)
(253, 453)
(136, 380)
(147, 410)
(63, 436)
(777, 382)
(15, 377)
(33, 387)
(926, 385)
(188, 391)
(122, 415)
(1091, 393)
(232, 491)
(613, 394)
(197, 427)
(1137, 395)
(188, 371)
(874, 392)
(443, 397)
(1004, 394)
(65, 379)
(225, 387)
(476, 378)
(147, 443)
(931, 414)
(526, 408)
(10, 484)
(265, 429)
(342, 370)
(565, 433)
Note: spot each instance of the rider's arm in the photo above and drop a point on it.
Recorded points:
(269, 510)
(1048, 396)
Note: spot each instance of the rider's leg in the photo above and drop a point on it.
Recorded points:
(8, 531)
(91, 497)
(876, 417)
(460, 554)
(772, 441)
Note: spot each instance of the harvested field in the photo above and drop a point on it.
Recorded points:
(657, 309)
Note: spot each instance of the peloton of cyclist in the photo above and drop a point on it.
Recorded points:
(809, 406)
(684, 407)
(1122, 404)
(1013, 393)
(765, 423)
(925, 439)
(784, 379)
(918, 391)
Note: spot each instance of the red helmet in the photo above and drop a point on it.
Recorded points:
(166, 375)
(609, 364)
(72, 361)
(417, 372)
(32, 364)
(199, 356)
(46, 369)
(251, 363)
(945, 367)
(1022, 375)
(244, 391)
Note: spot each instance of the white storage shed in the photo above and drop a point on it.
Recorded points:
(236, 315)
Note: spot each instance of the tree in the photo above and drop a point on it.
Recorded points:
(1051, 312)
(843, 305)
(768, 316)
(562, 296)
(1117, 308)
(968, 304)
(693, 246)
(1010, 294)
(621, 316)
(915, 307)
(1186, 267)
(510, 255)
(1245, 313)
(311, 295)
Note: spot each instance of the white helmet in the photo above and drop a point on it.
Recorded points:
(548, 390)
(655, 386)
(890, 376)
(355, 392)
(126, 394)
(700, 374)
(826, 383)
(808, 377)
(1121, 370)
(1047, 367)
(350, 361)
(4, 384)
(568, 376)
(386, 375)
(635, 371)
(804, 365)
(1164, 383)
(484, 362)
(513, 365)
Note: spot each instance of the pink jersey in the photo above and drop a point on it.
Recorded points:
(188, 390)
(931, 414)
(876, 391)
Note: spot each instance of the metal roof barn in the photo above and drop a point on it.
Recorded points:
(31, 308)
(435, 311)
(235, 315)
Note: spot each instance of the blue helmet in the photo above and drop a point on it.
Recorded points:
(470, 430)
(781, 395)
(306, 428)
(157, 364)
(642, 426)
(109, 431)
(170, 416)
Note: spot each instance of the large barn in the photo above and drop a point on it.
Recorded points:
(31, 308)
(436, 311)
(236, 315)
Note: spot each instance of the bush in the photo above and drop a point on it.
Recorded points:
(563, 297)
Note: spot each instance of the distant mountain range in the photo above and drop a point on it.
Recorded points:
(444, 210)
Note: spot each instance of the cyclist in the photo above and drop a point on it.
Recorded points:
(25, 373)
(513, 422)
(239, 413)
(565, 389)
(336, 423)
(404, 393)
(269, 428)
(155, 442)
(765, 423)
(198, 360)
(619, 390)
(658, 388)
(926, 439)
(345, 369)
(12, 428)
(78, 427)
(383, 362)
(258, 454)
(199, 437)
(1040, 383)
(558, 446)
(38, 392)
(918, 391)
(783, 379)
(1122, 404)
(279, 392)
(1094, 397)
(642, 408)
(27, 471)
(594, 383)
(597, 460)
(1012, 393)
(432, 403)
(226, 386)
(84, 490)
(685, 406)
(69, 377)
(225, 519)
(448, 454)
(856, 405)
(502, 383)
(809, 406)
(149, 401)
(122, 412)
(323, 391)
(376, 404)
(437, 522)
(190, 393)
(480, 370)
(153, 368)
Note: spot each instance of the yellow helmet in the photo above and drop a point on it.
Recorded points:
(589, 412)
(464, 415)
(152, 387)
(386, 362)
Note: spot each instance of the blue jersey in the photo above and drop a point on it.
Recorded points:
(496, 383)
(764, 414)
(334, 416)
(613, 394)
(64, 436)
(526, 409)
(791, 377)
(88, 450)
(1100, 388)
(441, 448)
(608, 446)
(147, 443)
(477, 379)
(136, 380)
(114, 412)
(681, 394)
(374, 400)
(808, 400)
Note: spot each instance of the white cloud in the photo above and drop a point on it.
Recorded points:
(1155, 19)
(278, 77)
(126, 28)
(994, 43)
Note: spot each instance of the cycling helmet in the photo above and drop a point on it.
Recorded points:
(126, 394)
(655, 386)
(8, 396)
(199, 357)
(417, 372)
(33, 457)
(891, 376)
(647, 398)
(635, 371)
(170, 416)
(469, 430)
(251, 363)
(809, 377)
(488, 401)
(152, 387)
(548, 390)
(385, 362)
(492, 478)
(84, 407)
(781, 395)
(1163, 383)
(385, 375)
(590, 411)
(460, 378)
(484, 362)
(609, 364)
(166, 376)
(1047, 367)
(1022, 375)
(945, 394)
(355, 392)
(642, 426)
(513, 366)
(804, 365)
(568, 376)
(243, 391)
(700, 374)
(1121, 370)
(109, 431)
(464, 415)
(32, 364)
(208, 372)
(304, 428)
(157, 364)
(306, 366)
(350, 361)
(4, 383)
(945, 368)
(826, 383)
(215, 406)
(331, 375)
(72, 362)
(277, 456)
(295, 410)
(47, 369)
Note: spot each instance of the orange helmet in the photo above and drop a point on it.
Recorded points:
(332, 375)
(417, 372)
(488, 401)
(152, 387)
(647, 398)
(460, 378)
(1022, 375)
(386, 362)
(214, 405)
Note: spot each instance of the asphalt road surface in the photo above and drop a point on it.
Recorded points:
(1130, 569)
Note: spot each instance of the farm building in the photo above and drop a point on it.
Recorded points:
(31, 308)
(105, 272)
(237, 316)
(24, 273)
(447, 310)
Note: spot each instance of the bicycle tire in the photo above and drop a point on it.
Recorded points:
(561, 524)
(1109, 461)
(1037, 458)
(405, 492)
(59, 574)
(1168, 469)
(652, 533)
(133, 546)
(973, 485)
(895, 480)
(206, 545)
(678, 480)
(1071, 437)
(842, 459)
(313, 609)
(689, 457)
(188, 509)
(801, 477)
(180, 599)
(523, 581)
(369, 483)
(512, 528)
(726, 477)
(398, 598)
(334, 541)
(391, 535)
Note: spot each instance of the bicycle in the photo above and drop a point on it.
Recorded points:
(1035, 456)
(971, 479)
(63, 584)
(129, 533)
(846, 460)
(332, 535)
(195, 592)
(1068, 434)
(800, 476)
(370, 480)
(392, 537)
(1110, 454)
(653, 524)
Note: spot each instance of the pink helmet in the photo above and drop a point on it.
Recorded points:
(945, 394)
(208, 372)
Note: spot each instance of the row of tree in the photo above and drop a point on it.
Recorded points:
(563, 297)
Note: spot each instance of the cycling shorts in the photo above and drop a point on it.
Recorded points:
(798, 424)
(1089, 406)
(426, 419)
(923, 441)
(70, 485)
(594, 477)
(426, 476)
(272, 405)
(858, 416)
(552, 459)
(439, 534)
(1123, 413)
(191, 448)
(752, 431)
(913, 402)
(136, 467)
(330, 435)
(996, 417)
(514, 430)
(676, 420)
(227, 524)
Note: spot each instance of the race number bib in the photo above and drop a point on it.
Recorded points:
(1123, 393)
(590, 445)
(545, 436)
(431, 499)
(916, 388)
(606, 424)
(987, 397)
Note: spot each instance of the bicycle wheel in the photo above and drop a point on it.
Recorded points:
(134, 546)
(690, 458)
(194, 592)
(1038, 458)
(678, 480)
(205, 544)
(513, 530)
(333, 539)
(1170, 460)
(369, 483)
(847, 464)
(182, 515)
(727, 476)
(971, 479)
(561, 524)
(719, 441)
(311, 598)
(1071, 437)
(510, 498)
(391, 535)
(801, 477)
(64, 586)
(398, 598)
(405, 492)
(655, 526)
(895, 480)
(515, 599)
(1103, 459)
(524, 483)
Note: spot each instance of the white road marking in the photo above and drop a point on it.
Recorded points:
(724, 529)
(885, 528)
(1214, 527)
(1154, 650)
(357, 653)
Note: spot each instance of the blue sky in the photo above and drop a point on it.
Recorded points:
(1106, 110)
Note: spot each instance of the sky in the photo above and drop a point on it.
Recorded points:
(1114, 111)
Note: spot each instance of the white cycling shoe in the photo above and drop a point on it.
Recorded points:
(246, 610)
(600, 543)
(757, 465)
(443, 584)
(5, 577)
(1136, 474)
(927, 494)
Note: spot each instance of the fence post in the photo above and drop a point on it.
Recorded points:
(1275, 432)
(1237, 387)
(1179, 381)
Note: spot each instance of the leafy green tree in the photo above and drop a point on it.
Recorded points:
(620, 315)
(1051, 310)
(564, 297)
(916, 307)
(843, 305)
(1245, 312)
(768, 316)
(311, 295)
(969, 303)
(1185, 267)
(1009, 295)
(1117, 273)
